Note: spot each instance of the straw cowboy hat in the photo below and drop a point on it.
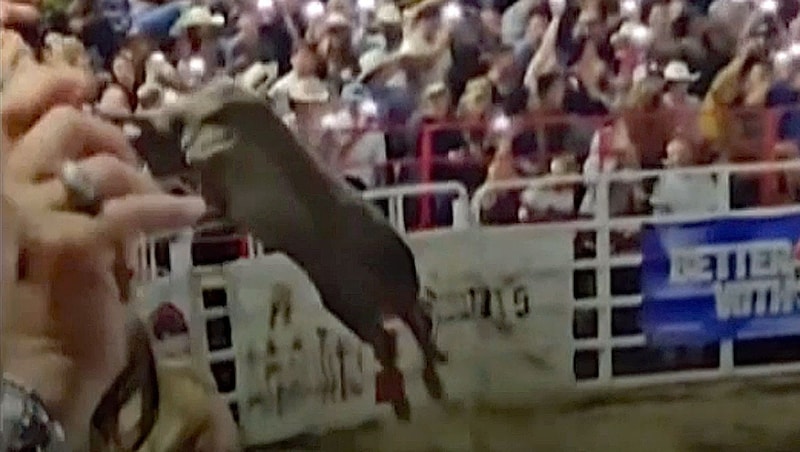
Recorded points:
(433, 90)
(678, 71)
(197, 16)
(413, 12)
(413, 47)
(309, 90)
(478, 84)
(373, 61)
(474, 100)
(388, 14)
(258, 78)
(631, 31)
(335, 21)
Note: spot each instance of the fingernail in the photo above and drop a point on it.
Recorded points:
(194, 205)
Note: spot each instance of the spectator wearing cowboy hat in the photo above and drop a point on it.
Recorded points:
(426, 43)
(336, 50)
(434, 109)
(383, 75)
(305, 63)
(309, 101)
(389, 23)
(678, 78)
(362, 155)
(199, 53)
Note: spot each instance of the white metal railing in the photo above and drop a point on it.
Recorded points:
(603, 262)
(602, 223)
(147, 268)
(396, 194)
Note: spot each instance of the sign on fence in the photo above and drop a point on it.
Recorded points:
(299, 370)
(503, 314)
(503, 308)
(732, 278)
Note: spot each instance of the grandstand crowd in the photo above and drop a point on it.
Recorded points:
(473, 91)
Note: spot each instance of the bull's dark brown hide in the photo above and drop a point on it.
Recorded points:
(255, 174)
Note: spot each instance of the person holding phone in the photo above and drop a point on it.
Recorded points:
(72, 200)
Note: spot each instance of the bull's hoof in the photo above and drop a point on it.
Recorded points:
(433, 383)
(402, 409)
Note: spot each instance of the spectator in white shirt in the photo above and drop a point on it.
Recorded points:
(362, 154)
(309, 101)
(677, 192)
(678, 78)
(553, 202)
(304, 64)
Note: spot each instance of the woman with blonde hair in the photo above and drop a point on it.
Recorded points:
(474, 108)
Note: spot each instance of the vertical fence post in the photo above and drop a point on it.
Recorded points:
(461, 212)
(425, 162)
(724, 204)
(603, 271)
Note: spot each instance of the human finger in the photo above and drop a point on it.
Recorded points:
(17, 13)
(13, 50)
(108, 177)
(129, 215)
(65, 133)
(33, 90)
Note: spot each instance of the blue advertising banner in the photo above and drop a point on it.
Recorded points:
(732, 278)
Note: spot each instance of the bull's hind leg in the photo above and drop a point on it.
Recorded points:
(421, 325)
(389, 384)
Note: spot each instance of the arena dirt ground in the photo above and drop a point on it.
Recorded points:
(752, 415)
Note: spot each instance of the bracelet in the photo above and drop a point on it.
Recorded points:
(26, 426)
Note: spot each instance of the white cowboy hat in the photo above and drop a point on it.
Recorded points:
(197, 16)
(389, 14)
(309, 90)
(631, 31)
(372, 61)
(414, 11)
(412, 47)
(336, 20)
(678, 71)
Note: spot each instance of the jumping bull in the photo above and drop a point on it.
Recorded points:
(255, 174)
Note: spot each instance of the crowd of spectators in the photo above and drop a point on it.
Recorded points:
(472, 91)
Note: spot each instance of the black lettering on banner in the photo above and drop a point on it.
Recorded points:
(522, 302)
(486, 303)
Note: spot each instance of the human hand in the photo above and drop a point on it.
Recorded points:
(13, 52)
(64, 315)
(18, 12)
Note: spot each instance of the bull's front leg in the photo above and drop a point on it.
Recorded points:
(389, 382)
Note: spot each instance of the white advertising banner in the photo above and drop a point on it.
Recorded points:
(502, 303)
(503, 306)
(299, 370)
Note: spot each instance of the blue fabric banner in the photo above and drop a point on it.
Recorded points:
(732, 278)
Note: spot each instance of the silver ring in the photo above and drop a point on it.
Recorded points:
(81, 193)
